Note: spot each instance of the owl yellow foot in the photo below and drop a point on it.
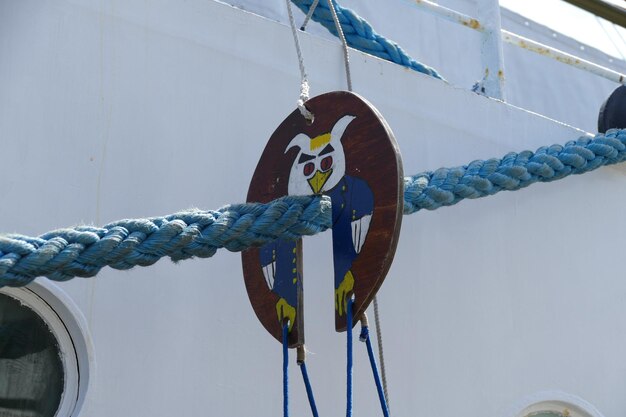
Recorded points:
(342, 292)
(286, 311)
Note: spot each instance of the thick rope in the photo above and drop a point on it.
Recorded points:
(364, 337)
(361, 36)
(286, 370)
(84, 250)
(448, 186)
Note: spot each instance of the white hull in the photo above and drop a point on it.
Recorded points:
(126, 109)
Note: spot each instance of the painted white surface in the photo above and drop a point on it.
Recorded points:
(130, 109)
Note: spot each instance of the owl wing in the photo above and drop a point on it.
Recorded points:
(362, 207)
(359, 231)
(268, 263)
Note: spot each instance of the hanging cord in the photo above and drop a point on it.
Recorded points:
(364, 337)
(304, 83)
(305, 377)
(349, 359)
(309, 14)
(286, 369)
(381, 355)
(346, 54)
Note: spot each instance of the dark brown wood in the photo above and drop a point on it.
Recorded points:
(372, 156)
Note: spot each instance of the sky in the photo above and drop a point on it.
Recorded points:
(575, 23)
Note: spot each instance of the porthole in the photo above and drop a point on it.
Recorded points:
(39, 364)
(555, 409)
(554, 404)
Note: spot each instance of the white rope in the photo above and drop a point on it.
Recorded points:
(304, 83)
(346, 54)
(309, 15)
(381, 356)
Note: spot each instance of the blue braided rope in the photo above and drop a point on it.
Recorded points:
(286, 370)
(364, 337)
(309, 390)
(360, 35)
(448, 186)
(349, 358)
(84, 250)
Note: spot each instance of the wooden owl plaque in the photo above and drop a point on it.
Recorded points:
(349, 154)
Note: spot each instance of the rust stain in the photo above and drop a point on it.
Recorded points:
(621, 78)
(500, 74)
(567, 60)
(472, 23)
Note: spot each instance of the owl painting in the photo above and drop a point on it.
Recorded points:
(320, 168)
(350, 156)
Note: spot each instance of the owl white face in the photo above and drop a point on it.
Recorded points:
(320, 163)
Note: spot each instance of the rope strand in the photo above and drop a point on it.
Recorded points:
(309, 14)
(286, 370)
(305, 378)
(344, 43)
(349, 358)
(304, 81)
(364, 337)
(381, 355)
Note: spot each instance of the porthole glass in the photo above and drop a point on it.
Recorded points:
(546, 414)
(31, 368)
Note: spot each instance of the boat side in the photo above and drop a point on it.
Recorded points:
(125, 109)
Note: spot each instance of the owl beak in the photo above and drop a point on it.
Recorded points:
(318, 180)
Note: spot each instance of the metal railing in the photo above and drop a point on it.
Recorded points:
(488, 23)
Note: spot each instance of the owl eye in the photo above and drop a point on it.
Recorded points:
(308, 169)
(326, 163)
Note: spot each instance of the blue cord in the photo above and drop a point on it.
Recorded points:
(349, 361)
(285, 369)
(364, 337)
(309, 390)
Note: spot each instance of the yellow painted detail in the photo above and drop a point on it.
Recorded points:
(319, 141)
(342, 293)
(294, 250)
(317, 181)
(286, 312)
(293, 270)
(295, 280)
